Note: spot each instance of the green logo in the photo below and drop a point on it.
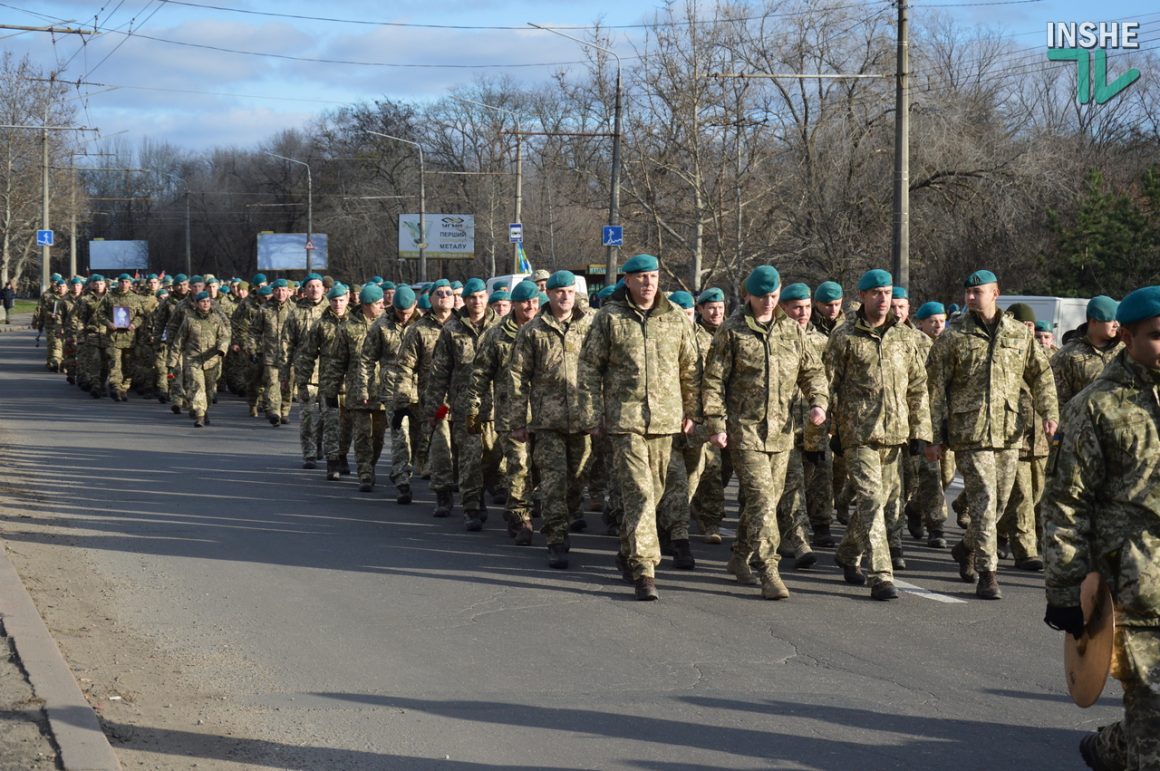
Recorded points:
(1082, 42)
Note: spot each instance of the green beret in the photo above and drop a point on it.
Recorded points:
(472, 286)
(543, 298)
(96, 277)
(337, 291)
(606, 292)
(404, 298)
(197, 280)
(682, 298)
(180, 277)
(212, 280)
(1140, 304)
(58, 282)
(58, 277)
(1021, 312)
(641, 263)
(440, 283)
(76, 280)
(874, 279)
(932, 308)
(900, 293)
(202, 295)
(953, 309)
(370, 294)
(979, 278)
(499, 296)
(828, 292)
(424, 303)
(794, 292)
(762, 281)
(711, 295)
(312, 277)
(266, 290)
(561, 279)
(541, 275)
(385, 285)
(1101, 308)
(525, 290)
(281, 284)
(151, 276)
(456, 285)
(376, 280)
(162, 292)
(259, 278)
(1043, 326)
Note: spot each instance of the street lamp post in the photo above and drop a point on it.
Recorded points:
(613, 253)
(519, 169)
(309, 206)
(422, 200)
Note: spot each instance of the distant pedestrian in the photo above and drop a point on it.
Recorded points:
(8, 295)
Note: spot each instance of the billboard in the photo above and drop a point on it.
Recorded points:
(118, 255)
(449, 236)
(287, 251)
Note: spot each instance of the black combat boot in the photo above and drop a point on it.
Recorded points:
(332, 474)
(404, 495)
(823, 538)
(896, 559)
(443, 503)
(683, 554)
(557, 556)
(965, 558)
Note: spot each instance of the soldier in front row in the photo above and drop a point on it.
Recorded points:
(196, 353)
(1101, 513)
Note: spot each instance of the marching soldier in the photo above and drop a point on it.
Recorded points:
(1096, 343)
(49, 320)
(927, 510)
(1045, 336)
(268, 340)
(826, 473)
(304, 314)
(707, 505)
(314, 351)
(91, 360)
(197, 350)
(120, 314)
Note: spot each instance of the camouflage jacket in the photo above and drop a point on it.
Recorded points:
(177, 314)
(801, 405)
(242, 321)
(131, 301)
(543, 378)
(1079, 363)
(825, 326)
(638, 369)
(266, 336)
(87, 309)
(50, 311)
(489, 381)
(450, 379)
(752, 374)
(878, 384)
(407, 377)
(380, 348)
(315, 347)
(339, 370)
(1101, 505)
(303, 316)
(199, 339)
(975, 377)
(164, 311)
(72, 315)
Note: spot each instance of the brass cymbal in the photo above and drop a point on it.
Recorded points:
(1087, 661)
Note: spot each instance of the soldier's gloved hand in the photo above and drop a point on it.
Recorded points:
(836, 445)
(916, 447)
(474, 426)
(397, 418)
(816, 457)
(1068, 620)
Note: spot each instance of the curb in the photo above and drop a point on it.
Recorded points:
(74, 725)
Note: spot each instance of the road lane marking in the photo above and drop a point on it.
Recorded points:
(910, 588)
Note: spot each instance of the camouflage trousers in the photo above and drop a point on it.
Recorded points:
(1134, 742)
(368, 428)
(255, 375)
(896, 507)
(640, 464)
(494, 463)
(686, 467)
(518, 478)
(403, 440)
(161, 370)
(791, 508)
(120, 368)
(761, 479)
(200, 383)
(603, 479)
(876, 485)
(337, 426)
(310, 424)
(988, 477)
(819, 490)
(840, 488)
(53, 345)
(144, 363)
(596, 476)
(707, 508)
(276, 387)
(1020, 524)
(71, 347)
(930, 502)
(91, 362)
(560, 458)
(469, 452)
(442, 457)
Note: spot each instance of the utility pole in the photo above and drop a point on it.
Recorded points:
(901, 231)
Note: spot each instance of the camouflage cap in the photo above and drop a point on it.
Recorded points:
(541, 275)
(1022, 312)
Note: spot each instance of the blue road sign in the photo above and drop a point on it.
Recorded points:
(44, 238)
(613, 235)
(515, 232)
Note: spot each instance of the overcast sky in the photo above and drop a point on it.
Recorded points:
(197, 97)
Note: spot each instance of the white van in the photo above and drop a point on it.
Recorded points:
(1064, 313)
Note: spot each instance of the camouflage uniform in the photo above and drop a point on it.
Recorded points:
(491, 386)
(450, 381)
(637, 376)
(1101, 511)
(198, 350)
(543, 383)
(826, 482)
(303, 316)
(977, 373)
(376, 364)
(267, 339)
(145, 347)
(1019, 524)
(119, 342)
(408, 376)
(880, 403)
(315, 350)
(91, 361)
(752, 374)
(340, 376)
(159, 326)
(181, 308)
(73, 331)
(926, 500)
(1079, 363)
(247, 372)
(707, 507)
(49, 319)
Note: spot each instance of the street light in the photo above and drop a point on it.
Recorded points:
(422, 200)
(519, 171)
(614, 192)
(309, 205)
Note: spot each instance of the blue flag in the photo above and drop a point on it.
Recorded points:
(525, 264)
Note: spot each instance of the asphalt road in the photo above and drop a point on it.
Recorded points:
(341, 630)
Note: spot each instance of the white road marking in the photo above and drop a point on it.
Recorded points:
(910, 588)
